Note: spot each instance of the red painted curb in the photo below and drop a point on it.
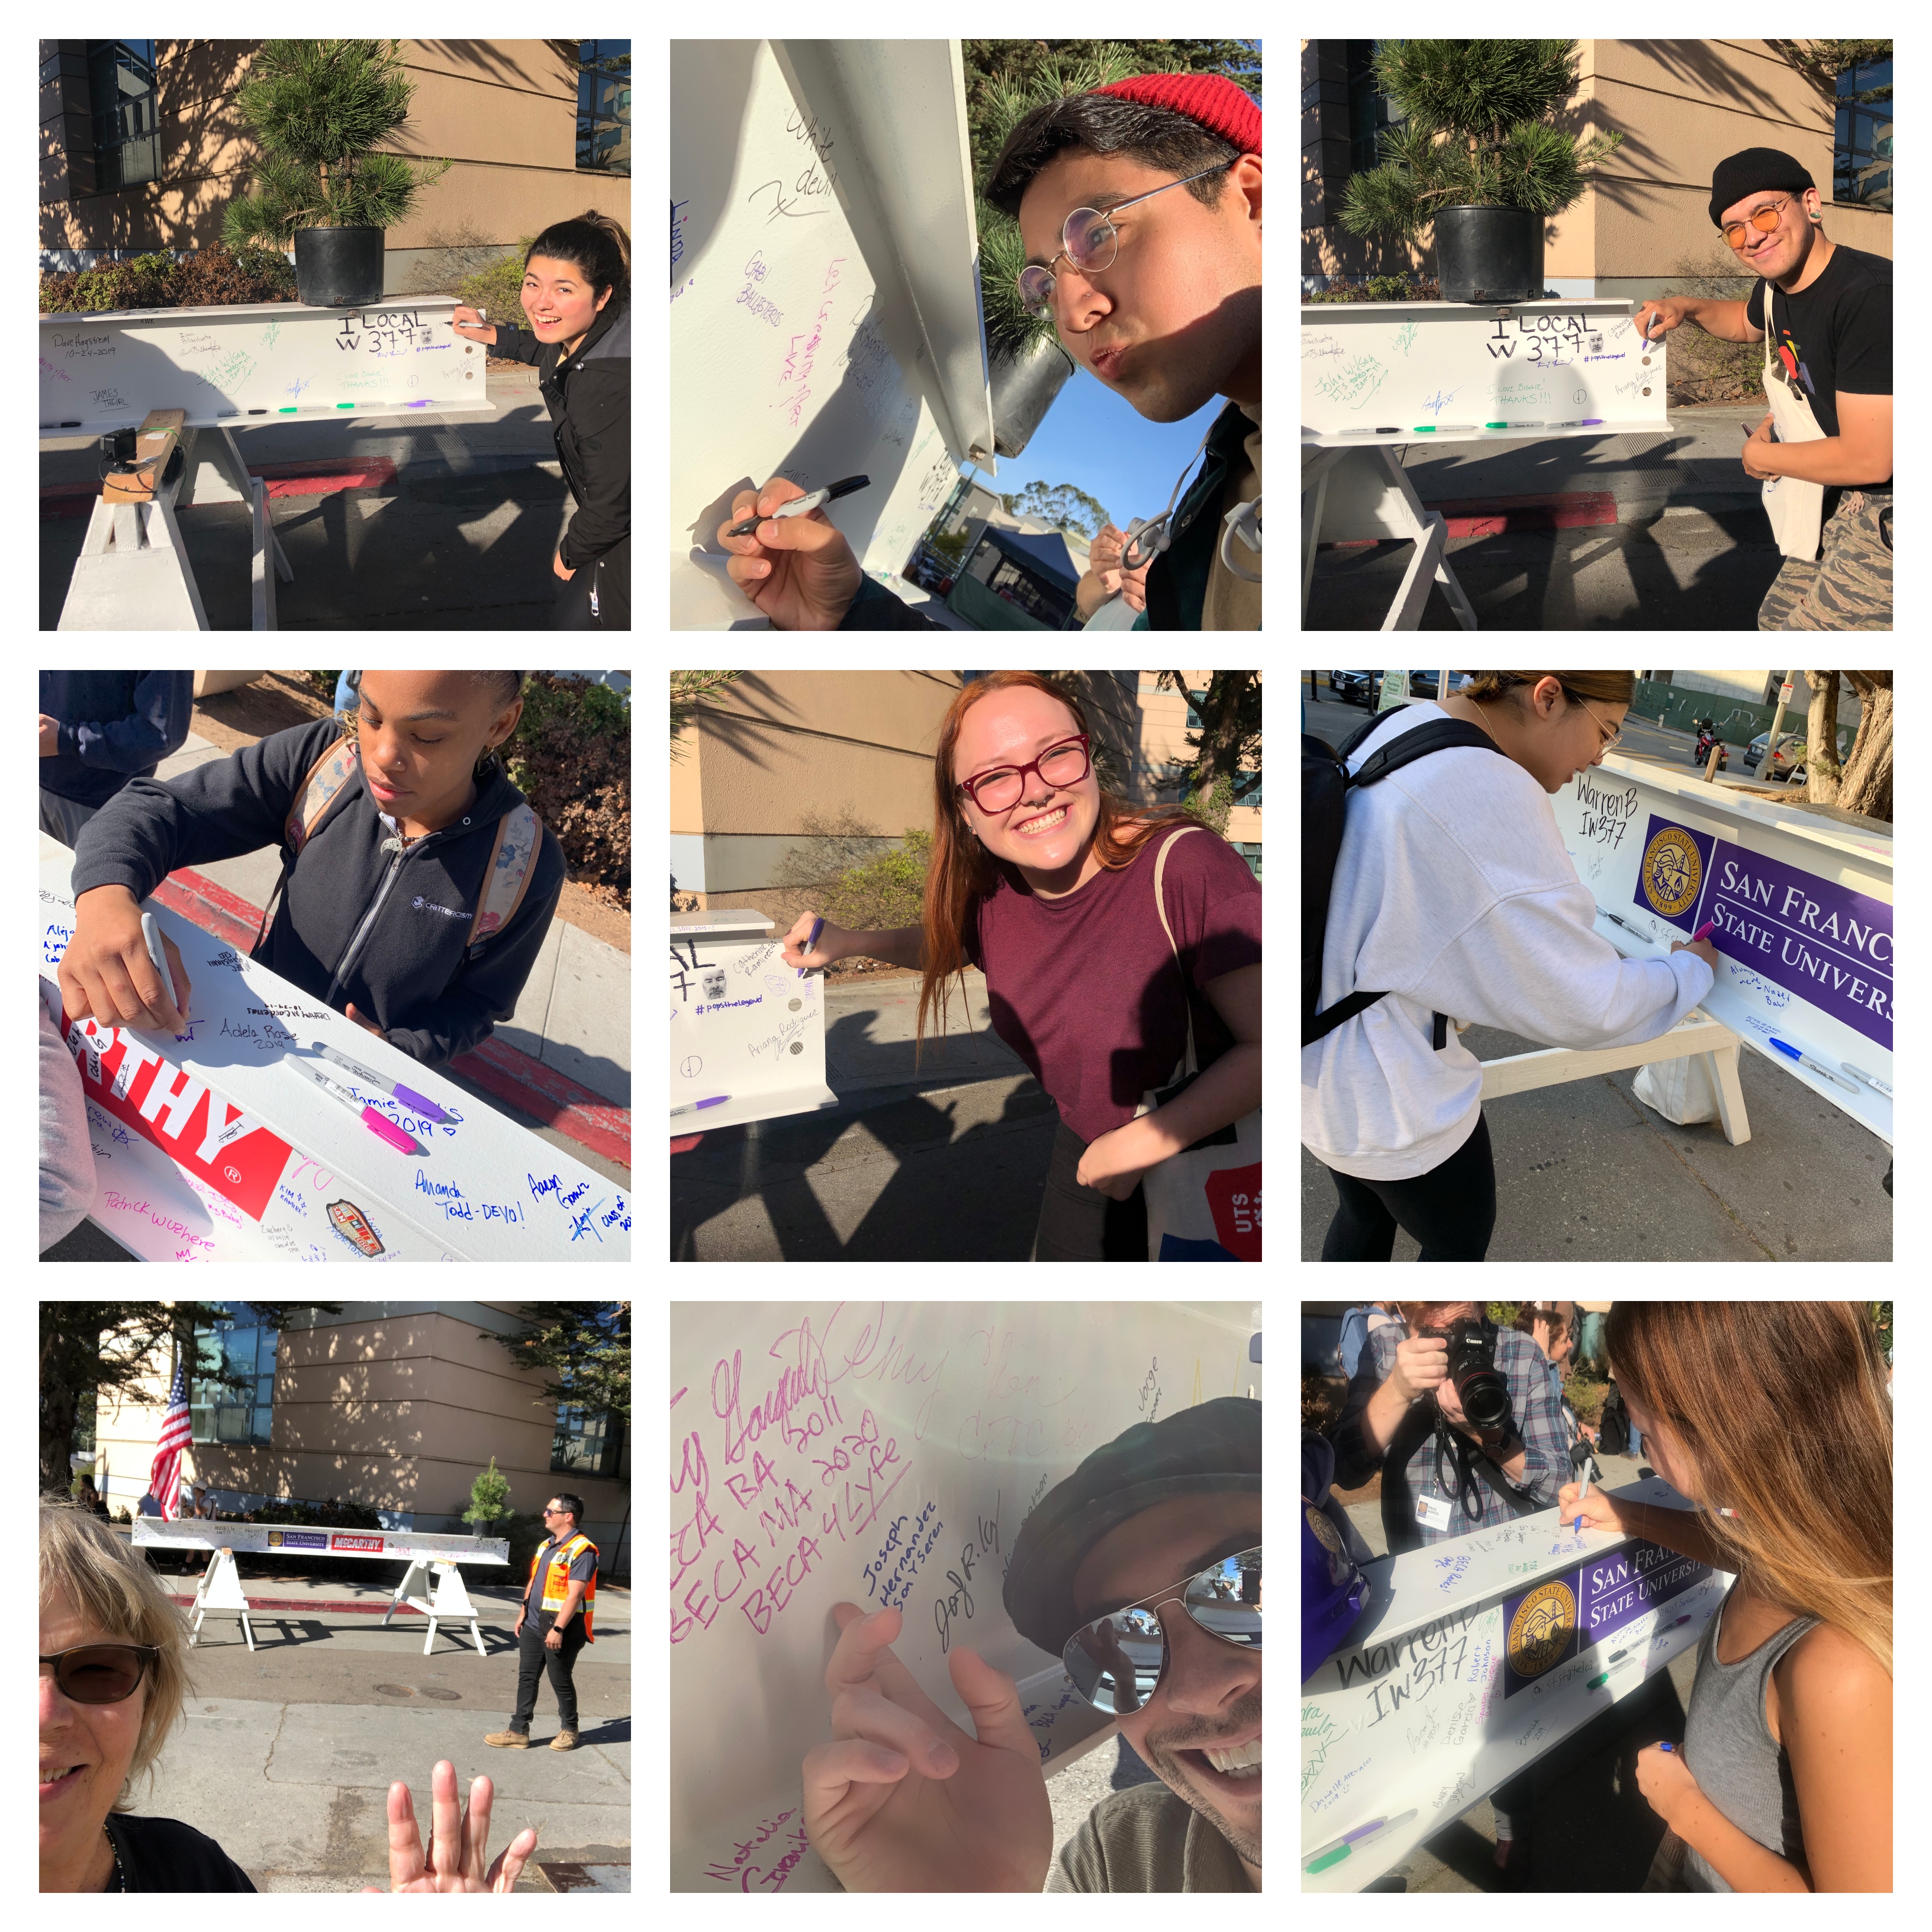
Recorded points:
(317, 476)
(1496, 516)
(527, 1084)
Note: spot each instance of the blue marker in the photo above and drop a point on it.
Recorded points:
(1816, 1066)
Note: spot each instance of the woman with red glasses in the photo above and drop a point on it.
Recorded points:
(1045, 882)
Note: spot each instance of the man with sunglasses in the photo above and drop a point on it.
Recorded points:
(1142, 1573)
(1157, 294)
(554, 1624)
(1832, 354)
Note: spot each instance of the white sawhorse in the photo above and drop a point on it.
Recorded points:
(1696, 1034)
(450, 1603)
(132, 573)
(221, 1589)
(1352, 495)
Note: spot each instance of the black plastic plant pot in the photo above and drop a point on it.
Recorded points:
(1023, 391)
(1489, 254)
(339, 268)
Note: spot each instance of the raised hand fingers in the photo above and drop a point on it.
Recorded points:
(863, 1659)
(405, 1851)
(510, 1860)
(994, 1700)
(870, 1717)
(476, 1827)
(445, 1844)
(830, 1771)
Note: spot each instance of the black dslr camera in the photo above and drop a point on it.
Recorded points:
(1480, 1386)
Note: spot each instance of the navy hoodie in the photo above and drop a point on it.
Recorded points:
(114, 725)
(383, 929)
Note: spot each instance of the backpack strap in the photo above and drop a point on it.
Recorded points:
(507, 877)
(327, 778)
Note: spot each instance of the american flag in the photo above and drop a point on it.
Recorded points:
(164, 1479)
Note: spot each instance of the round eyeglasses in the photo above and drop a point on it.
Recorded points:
(1090, 240)
(1065, 763)
(1117, 1661)
(102, 1673)
(1764, 219)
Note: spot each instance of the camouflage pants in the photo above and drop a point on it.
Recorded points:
(1848, 588)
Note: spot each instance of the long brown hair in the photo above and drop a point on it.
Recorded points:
(1782, 1408)
(963, 872)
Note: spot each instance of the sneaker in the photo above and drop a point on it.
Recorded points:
(564, 1741)
(512, 1740)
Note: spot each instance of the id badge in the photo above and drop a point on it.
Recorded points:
(1432, 1512)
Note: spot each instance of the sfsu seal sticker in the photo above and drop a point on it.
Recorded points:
(1539, 1632)
(1673, 869)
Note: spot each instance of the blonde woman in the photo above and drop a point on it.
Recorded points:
(1453, 897)
(113, 1680)
(1772, 1417)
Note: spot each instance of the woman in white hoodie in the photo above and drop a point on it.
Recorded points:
(1453, 891)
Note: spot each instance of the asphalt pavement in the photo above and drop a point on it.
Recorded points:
(1586, 1172)
(1667, 531)
(1589, 1828)
(287, 1753)
(461, 536)
(882, 1176)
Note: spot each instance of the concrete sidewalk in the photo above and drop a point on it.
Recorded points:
(880, 1177)
(1613, 531)
(462, 533)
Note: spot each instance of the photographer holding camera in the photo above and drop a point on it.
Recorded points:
(1462, 1421)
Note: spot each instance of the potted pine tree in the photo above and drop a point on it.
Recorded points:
(1476, 156)
(318, 108)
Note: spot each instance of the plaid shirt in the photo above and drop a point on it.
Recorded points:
(1539, 1418)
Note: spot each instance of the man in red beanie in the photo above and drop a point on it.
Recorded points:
(1158, 294)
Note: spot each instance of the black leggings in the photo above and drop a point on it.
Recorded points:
(1081, 1224)
(1451, 1210)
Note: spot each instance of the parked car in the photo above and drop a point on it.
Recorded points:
(1422, 683)
(1355, 687)
(1788, 765)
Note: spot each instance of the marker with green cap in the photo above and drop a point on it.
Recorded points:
(1337, 1849)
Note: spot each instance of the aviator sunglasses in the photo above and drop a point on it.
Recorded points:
(1117, 1660)
(102, 1673)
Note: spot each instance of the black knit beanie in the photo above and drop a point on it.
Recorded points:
(1751, 172)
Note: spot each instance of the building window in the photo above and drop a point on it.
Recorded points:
(245, 1347)
(120, 90)
(1251, 853)
(604, 107)
(1861, 164)
(1368, 110)
(589, 1442)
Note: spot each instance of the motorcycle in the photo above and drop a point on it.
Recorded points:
(1707, 736)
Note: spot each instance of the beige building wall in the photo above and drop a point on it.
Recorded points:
(779, 752)
(398, 1405)
(504, 112)
(1643, 225)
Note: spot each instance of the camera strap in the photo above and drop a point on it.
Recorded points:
(1468, 1457)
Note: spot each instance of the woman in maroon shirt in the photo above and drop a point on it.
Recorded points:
(1045, 881)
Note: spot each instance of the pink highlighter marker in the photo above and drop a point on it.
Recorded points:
(1709, 926)
(382, 1129)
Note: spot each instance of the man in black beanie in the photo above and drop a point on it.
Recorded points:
(1832, 350)
(1167, 1518)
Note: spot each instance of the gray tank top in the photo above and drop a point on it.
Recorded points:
(1728, 1746)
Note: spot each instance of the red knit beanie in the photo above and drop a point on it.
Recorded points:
(1211, 99)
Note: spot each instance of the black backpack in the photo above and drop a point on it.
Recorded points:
(1613, 1430)
(1325, 785)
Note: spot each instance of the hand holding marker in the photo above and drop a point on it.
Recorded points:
(803, 506)
(152, 933)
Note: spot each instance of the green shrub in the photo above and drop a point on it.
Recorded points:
(498, 287)
(210, 277)
(215, 277)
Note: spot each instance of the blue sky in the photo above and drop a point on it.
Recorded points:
(1095, 440)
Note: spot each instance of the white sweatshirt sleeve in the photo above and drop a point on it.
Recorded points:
(1533, 963)
(68, 1183)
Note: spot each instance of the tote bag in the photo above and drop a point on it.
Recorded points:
(1204, 1203)
(1795, 507)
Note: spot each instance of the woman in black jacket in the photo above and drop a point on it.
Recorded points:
(576, 295)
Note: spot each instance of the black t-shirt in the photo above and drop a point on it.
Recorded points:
(1837, 334)
(163, 1854)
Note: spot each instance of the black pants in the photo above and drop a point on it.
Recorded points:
(1450, 1210)
(533, 1659)
(1080, 1224)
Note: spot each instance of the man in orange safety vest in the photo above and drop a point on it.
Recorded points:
(554, 1624)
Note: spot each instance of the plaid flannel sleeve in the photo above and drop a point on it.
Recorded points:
(1546, 1441)
(1354, 1463)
